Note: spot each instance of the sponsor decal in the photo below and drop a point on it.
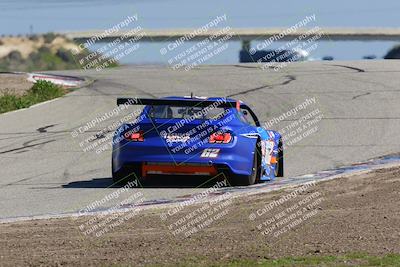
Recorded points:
(177, 138)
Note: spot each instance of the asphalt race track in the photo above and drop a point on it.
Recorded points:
(44, 170)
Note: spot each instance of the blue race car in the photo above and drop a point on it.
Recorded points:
(195, 136)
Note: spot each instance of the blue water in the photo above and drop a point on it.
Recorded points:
(22, 17)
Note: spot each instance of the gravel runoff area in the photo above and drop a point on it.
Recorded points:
(355, 214)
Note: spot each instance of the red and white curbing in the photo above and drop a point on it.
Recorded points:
(65, 81)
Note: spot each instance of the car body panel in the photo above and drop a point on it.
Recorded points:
(164, 143)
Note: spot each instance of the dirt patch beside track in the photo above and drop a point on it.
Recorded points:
(354, 214)
(16, 84)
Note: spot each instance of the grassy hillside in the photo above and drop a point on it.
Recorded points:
(41, 52)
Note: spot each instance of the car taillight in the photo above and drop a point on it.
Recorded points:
(220, 137)
(136, 137)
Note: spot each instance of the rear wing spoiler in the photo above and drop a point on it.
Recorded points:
(190, 102)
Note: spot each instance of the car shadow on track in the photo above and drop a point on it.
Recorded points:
(94, 183)
(151, 182)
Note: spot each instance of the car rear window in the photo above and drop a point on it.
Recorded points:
(176, 112)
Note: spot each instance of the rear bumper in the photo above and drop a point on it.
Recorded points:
(148, 168)
(234, 158)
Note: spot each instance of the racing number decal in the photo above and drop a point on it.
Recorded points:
(210, 153)
(268, 149)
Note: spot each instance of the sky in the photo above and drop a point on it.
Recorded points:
(20, 17)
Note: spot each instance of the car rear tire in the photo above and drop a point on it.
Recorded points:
(242, 180)
(280, 160)
(125, 175)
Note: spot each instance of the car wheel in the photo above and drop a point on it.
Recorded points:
(240, 180)
(279, 171)
(125, 175)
